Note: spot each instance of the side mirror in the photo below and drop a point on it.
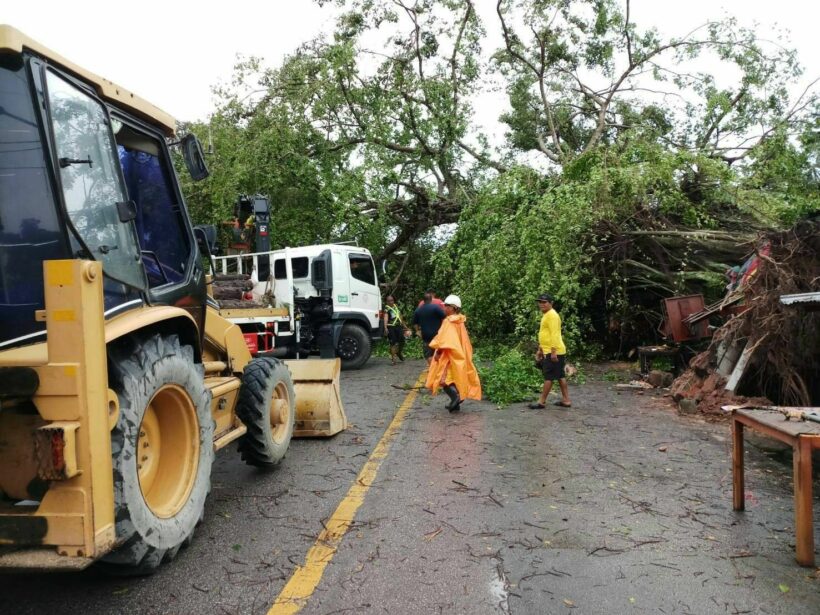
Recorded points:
(194, 157)
(206, 239)
(203, 235)
(321, 273)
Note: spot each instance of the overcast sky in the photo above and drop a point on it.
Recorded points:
(171, 53)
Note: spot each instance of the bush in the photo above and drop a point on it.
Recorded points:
(511, 378)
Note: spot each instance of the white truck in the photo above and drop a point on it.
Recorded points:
(295, 301)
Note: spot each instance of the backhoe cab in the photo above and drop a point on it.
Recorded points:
(118, 379)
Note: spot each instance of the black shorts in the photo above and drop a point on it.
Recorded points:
(553, 370)
(428, 352)
(395, 335)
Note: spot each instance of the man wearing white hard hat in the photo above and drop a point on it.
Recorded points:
(452, 367)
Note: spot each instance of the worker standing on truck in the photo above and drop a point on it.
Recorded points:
(395, 329)
(551, 355)
(452, 367)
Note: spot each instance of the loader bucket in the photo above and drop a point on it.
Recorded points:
(319, 410)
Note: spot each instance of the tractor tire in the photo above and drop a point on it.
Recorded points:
(162, 448)
(354, 346)
(267, 407)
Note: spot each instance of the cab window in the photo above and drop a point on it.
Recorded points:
(299, 265)
(160, 223)
(90, 180)
(30, 230)
(361, 268)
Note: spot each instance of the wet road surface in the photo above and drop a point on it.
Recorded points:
(484, 511)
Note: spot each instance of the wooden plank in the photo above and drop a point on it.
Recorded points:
(738, 478)
(254, 312)
(728, 357)
(803, 521)
(739, 370)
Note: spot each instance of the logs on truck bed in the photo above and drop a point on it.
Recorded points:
(231, 286)
(230, 292)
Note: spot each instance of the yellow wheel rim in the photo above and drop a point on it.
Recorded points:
(168, 451)
(280, 413)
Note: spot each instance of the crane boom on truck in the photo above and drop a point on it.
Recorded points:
(118, 377)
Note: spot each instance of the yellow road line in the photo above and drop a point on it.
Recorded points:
(305, 579)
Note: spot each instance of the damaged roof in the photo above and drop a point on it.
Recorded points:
(810, 301)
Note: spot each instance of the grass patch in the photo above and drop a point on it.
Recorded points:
(412, 348)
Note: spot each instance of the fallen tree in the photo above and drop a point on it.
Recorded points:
(780, 357)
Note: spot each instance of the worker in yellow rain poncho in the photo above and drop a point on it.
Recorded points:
(452, 368)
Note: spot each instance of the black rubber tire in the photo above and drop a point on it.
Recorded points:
(260, 380)
(354, 346)
(137, 369)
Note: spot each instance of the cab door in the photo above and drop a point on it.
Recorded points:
(364, 290)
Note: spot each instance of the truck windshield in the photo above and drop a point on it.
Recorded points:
(29, 226)
(89, 173)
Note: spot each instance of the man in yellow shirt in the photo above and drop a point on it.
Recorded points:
(551, 353)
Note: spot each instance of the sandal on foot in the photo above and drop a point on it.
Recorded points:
(562, 404)
(536, 406)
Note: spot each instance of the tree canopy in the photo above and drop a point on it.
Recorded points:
(634, 166)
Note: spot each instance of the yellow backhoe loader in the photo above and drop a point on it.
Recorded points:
(118, 377)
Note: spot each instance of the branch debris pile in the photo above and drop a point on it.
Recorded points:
(781, 341)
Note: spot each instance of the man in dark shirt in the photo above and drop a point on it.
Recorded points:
(427, 320)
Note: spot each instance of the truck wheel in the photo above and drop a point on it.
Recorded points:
(162, 449)
(354, 346)
(267, 407)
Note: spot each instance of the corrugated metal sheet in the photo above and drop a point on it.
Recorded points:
(807, 300)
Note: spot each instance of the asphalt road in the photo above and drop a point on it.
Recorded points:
(484, 511)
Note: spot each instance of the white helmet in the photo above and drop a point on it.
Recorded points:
(453, 300)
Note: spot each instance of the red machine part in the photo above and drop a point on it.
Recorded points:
(676, 310)
(252, 340)
(260, 341)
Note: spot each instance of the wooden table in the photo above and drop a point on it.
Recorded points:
(803, 437)
(645, 354)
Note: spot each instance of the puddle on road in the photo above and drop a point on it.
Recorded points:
(499, 591)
